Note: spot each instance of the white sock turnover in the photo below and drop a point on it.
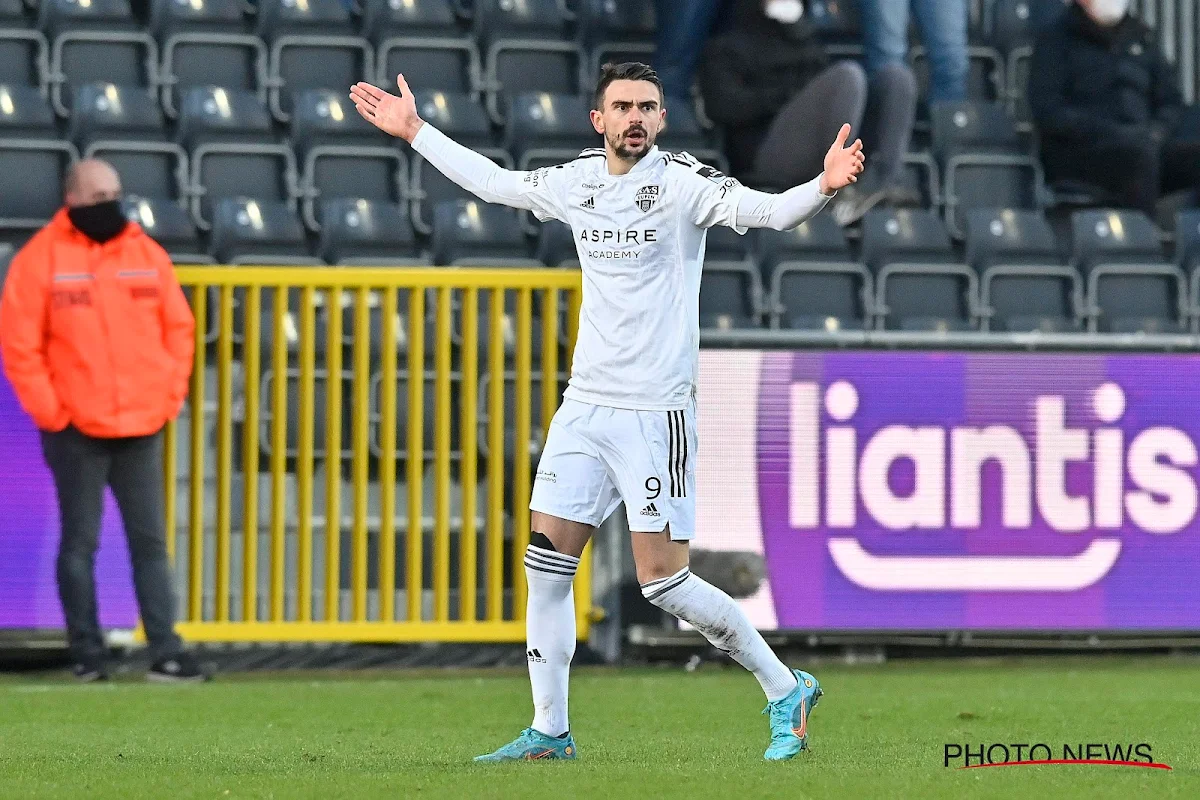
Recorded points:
(549, 635)
(715, 614)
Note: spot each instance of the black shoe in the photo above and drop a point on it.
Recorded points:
(90, 670)
(180, 668)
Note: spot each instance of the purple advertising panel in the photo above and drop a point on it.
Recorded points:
(29, 531)
(933, 491)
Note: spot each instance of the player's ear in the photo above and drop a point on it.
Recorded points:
(597, 121)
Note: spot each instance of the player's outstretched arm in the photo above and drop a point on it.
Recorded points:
(782, 211)
(397, 115)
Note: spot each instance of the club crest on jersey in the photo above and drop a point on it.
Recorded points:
(646, 197)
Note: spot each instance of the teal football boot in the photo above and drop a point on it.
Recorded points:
(532, 745)
(789, 718)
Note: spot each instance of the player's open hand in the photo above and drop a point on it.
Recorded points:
(843, 164)
(391, 114)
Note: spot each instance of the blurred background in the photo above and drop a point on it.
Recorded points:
(958, 409)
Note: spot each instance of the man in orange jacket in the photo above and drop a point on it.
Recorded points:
(96, 338)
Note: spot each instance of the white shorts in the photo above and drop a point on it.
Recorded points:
(596, 457)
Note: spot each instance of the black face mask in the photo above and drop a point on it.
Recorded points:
(99, 222)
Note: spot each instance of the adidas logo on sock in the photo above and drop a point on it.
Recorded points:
(589, 203)
(534, 656)
(650, 511)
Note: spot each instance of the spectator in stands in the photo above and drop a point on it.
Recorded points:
(96, 339)
(942, 26)
(683, 27)
(767, 81)
(1108, 108)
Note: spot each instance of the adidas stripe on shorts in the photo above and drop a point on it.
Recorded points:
(596, 457)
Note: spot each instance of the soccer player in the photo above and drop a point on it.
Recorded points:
(626, 430)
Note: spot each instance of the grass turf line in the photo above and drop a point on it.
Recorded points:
(878, 732)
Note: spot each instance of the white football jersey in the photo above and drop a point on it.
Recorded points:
(640, 239)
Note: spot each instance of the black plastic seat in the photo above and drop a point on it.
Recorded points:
(211, 115)
(259, 171)
(459, 115)
(383, 19)
(548, 125)
(167, 223)
(730, 295)
(24, 57)
(443, 64)
(430, 187)
(31, 180)
(474, 233)
(351, 173)
(80, 57)
(25, 113)
(107, 111)
(258, 231)
(231, 61)
(359, 231)
(515, 66)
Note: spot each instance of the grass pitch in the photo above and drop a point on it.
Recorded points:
(878, 732)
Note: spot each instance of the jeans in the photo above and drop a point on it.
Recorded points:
(942, 25)
(133, 468)
(683, 28)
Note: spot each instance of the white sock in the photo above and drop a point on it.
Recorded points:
(714, 613)
(549, 635)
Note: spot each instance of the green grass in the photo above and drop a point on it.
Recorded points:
(642, 733)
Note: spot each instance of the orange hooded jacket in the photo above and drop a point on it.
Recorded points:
(98, 336)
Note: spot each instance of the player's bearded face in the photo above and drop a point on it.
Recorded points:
(632, 117)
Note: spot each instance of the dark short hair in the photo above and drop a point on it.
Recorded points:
(629, 71)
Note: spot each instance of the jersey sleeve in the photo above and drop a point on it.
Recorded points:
(708, 197)
(545, 191)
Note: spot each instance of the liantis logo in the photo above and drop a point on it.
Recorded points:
(1144, 481)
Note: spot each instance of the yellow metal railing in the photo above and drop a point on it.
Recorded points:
(308, 495)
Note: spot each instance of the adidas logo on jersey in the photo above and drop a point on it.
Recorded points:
(534, 656)
(650, 511)
(589, 203)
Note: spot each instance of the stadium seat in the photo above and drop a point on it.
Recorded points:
(25, 113)
(556, 245)
(448, 65)
(730, 295)
(167, 223)
(548, 127)
(384, 19)
(260, 171)
(13, 13)
(156, 170)
(536, 437)
(82, 57)
(430, 187)
(246, 231)
(985, 75)
(24, 58)
(725, 244)
(474, 233)
(813, 281)
(319, 398)
(921, 174)
(279, 18)
(428, 415)
(105, 111)
(31, 180)
(517, 65)
(609, 21)
(236, 62)
(986, 180)
(336, 172)
(457, 114)
(684, 133)
(919, 286)
(327, 117)
(1130, 287)
(819, 239)
(1024, 285)
(1013, 31)
(367, 232)
(170, 17)
(301, 63)
(1187, 255)
(210, 114)
(529, 19)
(972, 126)
(57, 16)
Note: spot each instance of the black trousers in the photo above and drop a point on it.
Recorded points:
(1136, 171)
(83, 467)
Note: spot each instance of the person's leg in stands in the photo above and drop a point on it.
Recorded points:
(943, 30)
(887, 127)
(885, 33)
(793, 151)
(682, 32)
